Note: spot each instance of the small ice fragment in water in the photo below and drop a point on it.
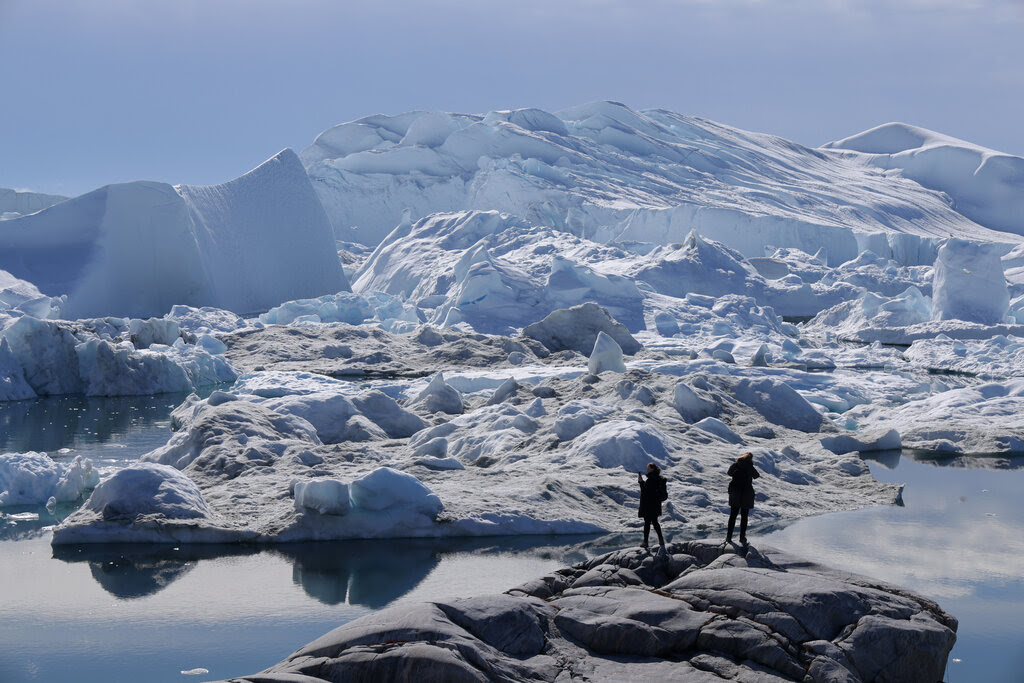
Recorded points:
(198, 671)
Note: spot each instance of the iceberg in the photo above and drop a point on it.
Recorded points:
(137, 249)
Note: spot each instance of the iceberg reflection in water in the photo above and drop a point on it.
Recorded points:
(150, 612)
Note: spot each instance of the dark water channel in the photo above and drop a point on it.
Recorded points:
(108, 613)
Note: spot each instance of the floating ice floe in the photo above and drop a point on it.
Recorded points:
(104, 357)
(35, 478)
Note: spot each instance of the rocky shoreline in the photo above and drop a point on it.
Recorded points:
(696, 611)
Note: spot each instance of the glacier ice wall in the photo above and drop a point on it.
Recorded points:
(137, 249)
(607, 173)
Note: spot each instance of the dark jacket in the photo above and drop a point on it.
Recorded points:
(741, 488)
(650, 496)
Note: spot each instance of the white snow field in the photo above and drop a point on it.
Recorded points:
(541, 304)
(136, 249)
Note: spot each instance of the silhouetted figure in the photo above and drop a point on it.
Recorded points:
(741, 493)
(652, 492)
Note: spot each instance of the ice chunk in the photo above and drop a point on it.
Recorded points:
(576, 417)
(969, 283)
(13, 386)
(778, 403)
(439, 396)
(666, 324)
(577, 328)
(385, 412)
(692, 403)
(326, 496)
(606, 356)
(386, 488)
(27, 478)
(505, 390)
(714, 426)
(861, 442)
(145, 333)
(46, 352)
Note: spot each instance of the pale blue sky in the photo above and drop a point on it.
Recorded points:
(200, 91)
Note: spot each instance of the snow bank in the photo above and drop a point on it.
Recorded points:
(140, 248)
(220, 428)
(345, 307)
(978, 420)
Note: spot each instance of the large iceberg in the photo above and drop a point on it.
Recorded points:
(984, 184)
(140, 248)
(608, 173)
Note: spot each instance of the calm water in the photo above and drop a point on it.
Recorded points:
(102, 613)
(148, 614)
(958, 539)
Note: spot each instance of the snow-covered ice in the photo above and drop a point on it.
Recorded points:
(541, 304)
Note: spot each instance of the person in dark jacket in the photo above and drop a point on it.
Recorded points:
(652, 492)
(741, 493)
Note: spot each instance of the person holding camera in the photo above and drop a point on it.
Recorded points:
(652, 492)
(741, 494)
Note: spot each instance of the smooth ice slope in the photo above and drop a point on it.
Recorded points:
(985, 185)
(140, 248)
(605, 172)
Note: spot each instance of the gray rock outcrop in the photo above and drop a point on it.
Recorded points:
(698, 612)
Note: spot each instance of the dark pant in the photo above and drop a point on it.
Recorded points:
(648, 523)
(743, 523)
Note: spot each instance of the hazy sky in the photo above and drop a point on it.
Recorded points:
(200, 91)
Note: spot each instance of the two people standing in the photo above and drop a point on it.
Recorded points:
(654, 490)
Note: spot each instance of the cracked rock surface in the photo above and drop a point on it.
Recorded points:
(697, 611)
